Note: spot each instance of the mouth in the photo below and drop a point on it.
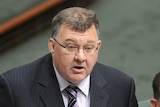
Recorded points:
(78, 69)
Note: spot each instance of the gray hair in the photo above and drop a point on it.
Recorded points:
(76, 18)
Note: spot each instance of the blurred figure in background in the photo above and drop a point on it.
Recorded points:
(155, 102)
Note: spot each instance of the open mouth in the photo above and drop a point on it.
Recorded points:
(78, 67)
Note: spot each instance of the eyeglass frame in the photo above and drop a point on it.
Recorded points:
(77, 48)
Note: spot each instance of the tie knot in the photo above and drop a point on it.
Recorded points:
(73, 87)
(72, 90)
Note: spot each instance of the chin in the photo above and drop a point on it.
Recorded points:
(75, 81)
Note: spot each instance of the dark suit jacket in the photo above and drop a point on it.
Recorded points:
(36, 85)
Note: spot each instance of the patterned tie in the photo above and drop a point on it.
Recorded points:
(72, 95)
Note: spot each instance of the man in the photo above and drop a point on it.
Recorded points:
(70, 75)
(155, 102)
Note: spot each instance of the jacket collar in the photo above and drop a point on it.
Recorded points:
(98, 96)
(50, 93)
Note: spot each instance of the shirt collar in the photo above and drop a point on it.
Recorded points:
(84, 85)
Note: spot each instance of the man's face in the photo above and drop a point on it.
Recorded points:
(154, 103)
(75, 65)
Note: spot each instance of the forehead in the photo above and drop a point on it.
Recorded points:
(67, 33)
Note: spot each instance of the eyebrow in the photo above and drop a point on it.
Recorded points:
(68, 40)
(72, 40)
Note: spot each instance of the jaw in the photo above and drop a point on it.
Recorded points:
(76, 78)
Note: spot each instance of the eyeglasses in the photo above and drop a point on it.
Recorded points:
(73, 49)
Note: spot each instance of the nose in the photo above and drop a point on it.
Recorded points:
(80, 56)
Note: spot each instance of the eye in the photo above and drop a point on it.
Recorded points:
(71, 47)
(89, 48)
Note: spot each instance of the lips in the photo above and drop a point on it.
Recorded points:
(78, 69)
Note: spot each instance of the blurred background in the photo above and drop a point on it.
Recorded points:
(130, 32)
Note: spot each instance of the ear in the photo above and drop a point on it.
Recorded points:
(51, 45)
(153, 102)
(99, 44)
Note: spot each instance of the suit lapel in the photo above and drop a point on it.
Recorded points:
(50, 93)
(98, 97)
(51, 98)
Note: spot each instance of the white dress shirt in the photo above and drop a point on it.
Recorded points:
(83, 96)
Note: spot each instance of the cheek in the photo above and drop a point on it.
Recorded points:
(63, 61)
(60, 56)
(92, 60)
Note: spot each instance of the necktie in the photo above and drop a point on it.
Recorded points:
(72, 95)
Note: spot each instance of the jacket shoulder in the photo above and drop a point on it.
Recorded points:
(28, 70)
(111, 72)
